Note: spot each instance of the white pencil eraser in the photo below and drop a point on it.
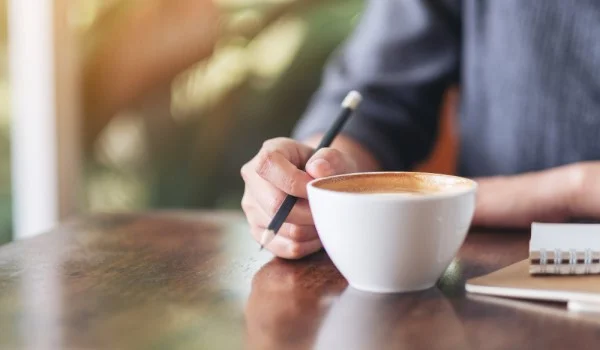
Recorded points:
(352, 100)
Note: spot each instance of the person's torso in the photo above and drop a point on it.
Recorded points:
(530, 85)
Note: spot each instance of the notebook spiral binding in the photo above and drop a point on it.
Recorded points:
(564, 262)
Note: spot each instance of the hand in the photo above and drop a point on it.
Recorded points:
(273, 174)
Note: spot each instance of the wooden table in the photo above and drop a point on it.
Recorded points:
(197, 280)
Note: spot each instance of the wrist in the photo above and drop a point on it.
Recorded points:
(518, 200)
(573, 176)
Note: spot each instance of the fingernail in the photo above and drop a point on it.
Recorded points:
(321, 166)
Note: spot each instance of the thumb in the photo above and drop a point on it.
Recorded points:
(329, 162)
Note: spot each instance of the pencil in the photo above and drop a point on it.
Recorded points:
(348, 106)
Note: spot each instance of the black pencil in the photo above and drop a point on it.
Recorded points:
(348, 106)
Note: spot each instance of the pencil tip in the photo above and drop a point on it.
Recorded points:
(266, 237)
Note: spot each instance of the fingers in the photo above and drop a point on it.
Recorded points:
(329, 162)
(297, 153)
(291, 242)
(272, 175)
(286, 248)
(276, 168)
(269, 199)
(298, 233)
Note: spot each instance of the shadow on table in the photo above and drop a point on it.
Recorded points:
(297, 305)
(287, 301)
(501, 323)
(420, 320)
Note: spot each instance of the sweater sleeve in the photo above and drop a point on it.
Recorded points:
(401, 57)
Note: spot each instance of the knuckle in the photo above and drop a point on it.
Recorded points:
(281, 145)
(280, 140)
(244, 172)
(268, 144)
(264, 161)
(245, 203)
(274, 143)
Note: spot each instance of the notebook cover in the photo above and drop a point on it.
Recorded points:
(539, 308)
(515, 281)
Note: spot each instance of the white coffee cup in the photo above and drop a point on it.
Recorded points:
(392, 231)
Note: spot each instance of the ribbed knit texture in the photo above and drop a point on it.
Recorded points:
(529, 74)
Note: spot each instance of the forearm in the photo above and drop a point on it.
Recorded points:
(502, 201)
(516, 201)
(365, 161)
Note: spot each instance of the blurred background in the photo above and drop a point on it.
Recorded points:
(173, 96)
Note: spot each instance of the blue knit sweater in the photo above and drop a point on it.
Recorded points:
(528, 71)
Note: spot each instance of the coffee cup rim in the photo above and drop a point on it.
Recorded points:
(393, 196)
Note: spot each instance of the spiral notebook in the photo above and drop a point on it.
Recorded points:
(564, 249)
(563, 266)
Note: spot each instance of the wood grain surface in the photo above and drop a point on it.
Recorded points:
(184, 280)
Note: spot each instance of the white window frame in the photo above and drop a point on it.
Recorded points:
(44, 109)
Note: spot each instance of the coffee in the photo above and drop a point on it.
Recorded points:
(394, 183)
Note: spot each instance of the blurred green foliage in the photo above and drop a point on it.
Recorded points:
(258, 113)
(175, 149)
(191, 155)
